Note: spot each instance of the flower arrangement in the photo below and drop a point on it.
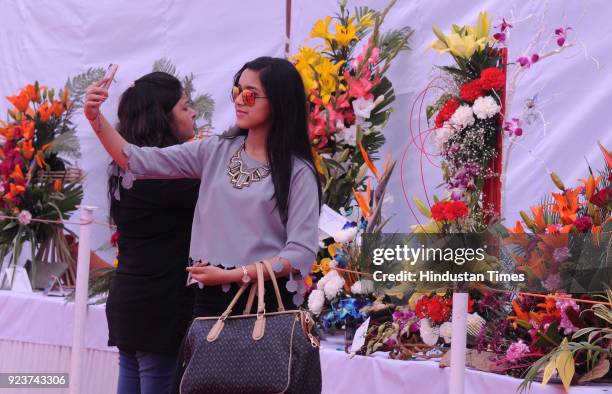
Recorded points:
(349, 98)
(349, 95)
(566, 239)
(37, 183)
(468, 114)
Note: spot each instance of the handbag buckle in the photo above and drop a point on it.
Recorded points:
(261, 314)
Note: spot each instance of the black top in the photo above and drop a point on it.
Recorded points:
(149, 306)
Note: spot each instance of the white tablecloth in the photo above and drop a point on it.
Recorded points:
(36, 334)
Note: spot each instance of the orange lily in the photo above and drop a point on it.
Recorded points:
(21, 101)
(57, 108)
(32, 93)
(538, 216)
(567, 204)
(520, 314)
(367, 160)
(45, 111)
(534, 262)
(14, 191)
(17, 175)
(27, 129)
(8, 132)
(590, 185)
(27, 150)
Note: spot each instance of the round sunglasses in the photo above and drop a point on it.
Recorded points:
(248, 96)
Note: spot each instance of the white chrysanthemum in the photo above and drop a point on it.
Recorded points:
(442, 135)
(363, 286)
(345, 236)
(331, 284)
(348, 135)
(316, 300)
(429, 334)
(463, 117)
(485, 107)
(446, 331)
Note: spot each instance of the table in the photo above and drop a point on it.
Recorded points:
(36, 335)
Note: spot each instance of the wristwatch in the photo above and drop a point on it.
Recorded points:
(245, 275)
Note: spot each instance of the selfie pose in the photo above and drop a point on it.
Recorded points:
(148, 307)
(260, 194)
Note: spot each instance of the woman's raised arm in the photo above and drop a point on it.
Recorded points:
(110, 138)
(177, 161)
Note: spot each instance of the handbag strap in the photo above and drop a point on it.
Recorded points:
(279, 300)
(216, 329)
(260, 322)
(249, 305)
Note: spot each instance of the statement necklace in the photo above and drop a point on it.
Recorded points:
(240, 175)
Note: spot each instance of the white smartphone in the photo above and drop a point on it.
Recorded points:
(110, 74)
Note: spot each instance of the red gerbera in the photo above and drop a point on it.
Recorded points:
(470, 91)
(447, 111)
(492, 78)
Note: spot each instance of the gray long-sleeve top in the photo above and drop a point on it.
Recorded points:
(235, 227)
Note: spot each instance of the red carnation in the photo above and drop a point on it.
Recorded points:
(448, 210)
(421, 307)
(583, 224)
(602, 197)
(470, 91)
(447, 111)
(492, 78)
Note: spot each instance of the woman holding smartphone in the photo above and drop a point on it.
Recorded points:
(260, 194)
(148, 307)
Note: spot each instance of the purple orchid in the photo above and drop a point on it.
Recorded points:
(526, 62)
(514, 127)
(561, 33)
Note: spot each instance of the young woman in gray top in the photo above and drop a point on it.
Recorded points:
(260, 194)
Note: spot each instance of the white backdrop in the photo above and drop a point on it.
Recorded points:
(53, 41)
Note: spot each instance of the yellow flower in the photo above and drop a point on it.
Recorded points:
(320, 29)
(464, 41)
(328, 78)
(322, 266)
(460, 46)
(345, 34)
(483, 26)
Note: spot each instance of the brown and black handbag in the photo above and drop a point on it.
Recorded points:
(266, 352)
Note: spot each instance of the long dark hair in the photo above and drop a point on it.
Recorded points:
(288, 135)
(145, 115)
